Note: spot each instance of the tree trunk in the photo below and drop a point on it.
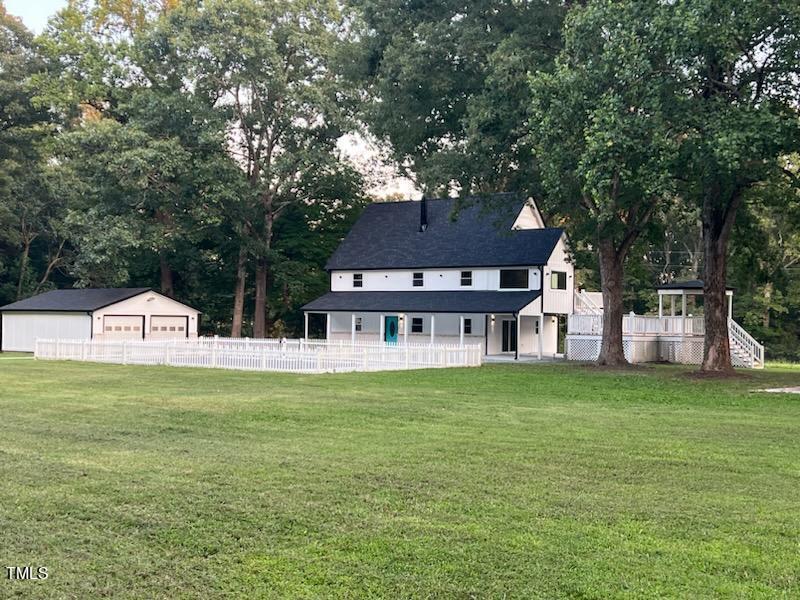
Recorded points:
(23, 268)
(260, 316)
(719, 214)
(238, 296)
(612, 353)
(716, 351)
(167, 279)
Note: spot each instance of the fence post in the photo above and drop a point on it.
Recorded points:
(124, 352)
(58, 349)
(263, 358)
(407, 357)
(214, 352)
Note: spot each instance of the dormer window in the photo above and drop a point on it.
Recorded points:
(358, 280)
(466, 278)
(418, 279)
(514, 279)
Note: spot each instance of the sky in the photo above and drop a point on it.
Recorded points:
(34, 13)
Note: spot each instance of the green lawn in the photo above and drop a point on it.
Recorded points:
(507, 481)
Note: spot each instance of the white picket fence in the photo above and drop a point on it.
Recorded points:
(291, 356)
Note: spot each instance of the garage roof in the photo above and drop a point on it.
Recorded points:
(77, 300)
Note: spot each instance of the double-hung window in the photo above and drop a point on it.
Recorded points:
(358, 280)
(466, 278)
(416, 325)
(467, 326)
(418, 279)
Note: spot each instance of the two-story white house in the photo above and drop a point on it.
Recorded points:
(420, 272)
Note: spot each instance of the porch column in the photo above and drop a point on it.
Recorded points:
(672, 305)
(305, 325)
(328, 326)
(382, 332)
(683, 312)
(352, 328)
(516, 346)
(730, 306)
(461, 330)
(405, 329)
(660, 306)
(541, 334)
(486, 335)
(433, 327)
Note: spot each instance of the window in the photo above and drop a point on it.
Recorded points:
(154, 327)
(172, 328)
(467, 326)
(358, 323)
(180, 327)
(117, 327)
(416, 325)
(466, 278)
(109, 328)
(514, 279)
(127, 327)
(358, 280)
(558, 280)
(418, 278)
(136, 328)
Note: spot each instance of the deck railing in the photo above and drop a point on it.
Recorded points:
(295, 356)
(638, 325)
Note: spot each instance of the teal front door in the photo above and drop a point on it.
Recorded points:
(391, 329)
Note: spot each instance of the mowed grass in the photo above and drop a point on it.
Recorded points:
(515, 481)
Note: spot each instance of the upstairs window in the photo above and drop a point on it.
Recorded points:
(418, 279)
(358, 280)
(416, 325)
(358, 323)
(467, 326)
(558, 280)
(466, 278)
(514, 279)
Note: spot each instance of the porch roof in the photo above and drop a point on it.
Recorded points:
(420, 302)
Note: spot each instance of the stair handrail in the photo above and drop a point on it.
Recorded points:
(588, 302)
(755, 351)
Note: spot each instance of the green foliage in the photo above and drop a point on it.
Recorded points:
(448, 86)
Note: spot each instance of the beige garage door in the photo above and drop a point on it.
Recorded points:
(168, 327)
(123, 327)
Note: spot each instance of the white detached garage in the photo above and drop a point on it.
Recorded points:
(98, 313)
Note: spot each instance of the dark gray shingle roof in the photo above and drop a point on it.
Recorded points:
(77, 300)
(388, 236)
(443, 302)
(690, 284)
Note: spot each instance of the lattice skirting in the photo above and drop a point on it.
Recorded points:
(638, 350)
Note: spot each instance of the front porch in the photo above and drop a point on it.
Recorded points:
(502, 336)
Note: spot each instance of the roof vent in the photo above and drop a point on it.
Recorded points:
(423, 214)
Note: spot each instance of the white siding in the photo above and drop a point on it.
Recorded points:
(529, 217)
(402, 280)
(559, 301)
(147, 305)
(20, 329)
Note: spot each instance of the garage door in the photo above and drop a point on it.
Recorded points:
(123, 327)
(169, 327)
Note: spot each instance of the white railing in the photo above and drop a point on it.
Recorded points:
(637, 325)
(744, 346)
(295, 356)
(589, 302)
(681, 339)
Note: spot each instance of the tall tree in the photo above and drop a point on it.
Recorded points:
(267, 65)
(739, 67)
(600, 128)
(447, 87)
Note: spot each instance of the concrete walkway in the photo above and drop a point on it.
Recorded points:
(786, 390)
(523, 358)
